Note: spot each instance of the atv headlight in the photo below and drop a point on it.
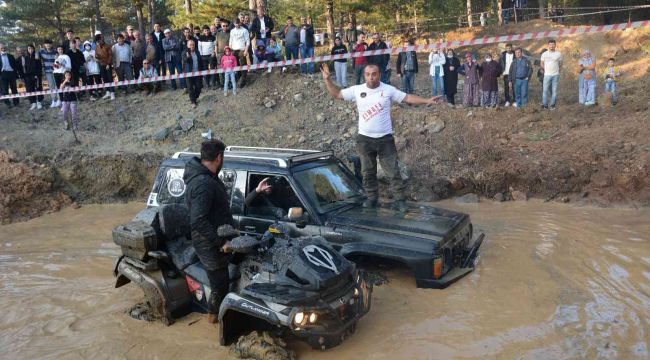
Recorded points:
(312, 318)
(356, 292)
(298, 318)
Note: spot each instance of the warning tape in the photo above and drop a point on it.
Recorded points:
(580, 30)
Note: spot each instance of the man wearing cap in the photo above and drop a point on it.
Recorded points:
(173, 56)
(375, 139)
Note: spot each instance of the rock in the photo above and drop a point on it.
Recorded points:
(519, 195)
(179, 117)
(348, 111)
(499, 197)
(298, 97)
(177, 134)
(457, 184)
(269, 103)
(331, 102)
(470, 114)
(302, 139)
(436, 126)
(565, 199)
(470, 198)
(186, 124)
(441, 188)
(424, 195)
(320, 117)
(584, 194)
(161, 135)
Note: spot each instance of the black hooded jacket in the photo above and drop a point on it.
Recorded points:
(207, 200)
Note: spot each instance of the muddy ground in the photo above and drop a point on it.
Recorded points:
(598, 155)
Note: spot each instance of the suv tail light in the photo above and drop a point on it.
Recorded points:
(437, 267)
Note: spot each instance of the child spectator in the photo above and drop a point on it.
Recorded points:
(148, 72)
(274, 50)
(62, 63)
(587, 79)
(340, 65)
(261, 55)
(228, 64)
(92, 70)
(69, 100)
(611, 76)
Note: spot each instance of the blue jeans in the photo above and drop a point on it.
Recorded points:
(610, 86)
(306, 52)
(175, 67)
(521, 92)
(408, 79)
(550, 84)
(291, 52)
(229, 75)
(438, 85)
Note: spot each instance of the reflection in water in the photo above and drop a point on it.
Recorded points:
(553, 282)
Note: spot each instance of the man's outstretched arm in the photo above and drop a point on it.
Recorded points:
(334, 91)
(416, 100)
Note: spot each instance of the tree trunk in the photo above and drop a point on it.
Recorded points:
(152, 13)
(330, 19)
(398, 16)
(341, 20)
(99, 22)
(140, 16)
(500, 10)
(188, 6)
(542, 9)
(59, 26)
(469, 13)
(415, 19)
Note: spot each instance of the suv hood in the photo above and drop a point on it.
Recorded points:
(420, 221)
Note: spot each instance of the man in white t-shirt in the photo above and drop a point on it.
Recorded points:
(550, 63)
(375, 138)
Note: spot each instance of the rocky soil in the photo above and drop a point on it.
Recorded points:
(597, 155)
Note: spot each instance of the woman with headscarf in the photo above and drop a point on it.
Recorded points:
(471, 86)
(587, 79)
(451, 66)
(490, 71)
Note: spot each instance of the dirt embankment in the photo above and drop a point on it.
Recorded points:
(599, 154)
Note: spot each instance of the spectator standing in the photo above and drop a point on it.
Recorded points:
(214, 30)
(159, 63)
(149, 72)
(551, 63)
(130, 35)
(506, 61)
(192, 62)
(407, 67)
(380, 60)
(206, 49)
(436, 71)
(104, 55)
(93, 76)
(173, 57)
(587, 79)
(262, 26)
(306, 45)
(69, 37)
(291, 36)
(8, 75)
(29, 68)
(151, 50)
(62, 64)
(351, 35)
(222, 40)
(520, 72)
(360, 62)
(47, 56)
(239, 43)
(69, 97)
(490, 71)
(122, 59)
(340, 65)
(228, 64)
(611, 74)
(139, 49)
(77, 62)
(471, 85)
(187, 36)
(451, 67)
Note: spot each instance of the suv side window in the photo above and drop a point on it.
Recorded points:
(281, 198)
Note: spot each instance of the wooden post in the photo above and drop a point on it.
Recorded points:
(500, 10)
(514, 10)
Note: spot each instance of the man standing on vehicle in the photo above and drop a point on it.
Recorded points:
(375, 138)
(207, 201)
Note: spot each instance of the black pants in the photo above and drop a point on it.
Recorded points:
(7, 82)
(242, 59)
(206, 66)
(507, 91)
(194, 88)
(94, 79)
(31, 85)
(107, 76)
(137, 66)
(151, 87)
(220, 285)
(369, 150)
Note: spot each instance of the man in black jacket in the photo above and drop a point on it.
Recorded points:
(207, 201)
(306, 45)
(29, 69)
(192, 62)
(262, 26)
(8, 75)
(380, 60)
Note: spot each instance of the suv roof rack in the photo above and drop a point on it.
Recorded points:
(256, 148)
(311, 156)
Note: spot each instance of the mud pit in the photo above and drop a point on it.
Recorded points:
(554, 281)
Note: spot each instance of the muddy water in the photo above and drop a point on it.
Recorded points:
(553, 282)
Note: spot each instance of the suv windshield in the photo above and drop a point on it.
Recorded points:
(329, 186)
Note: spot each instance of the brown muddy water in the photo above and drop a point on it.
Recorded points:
(554, 282)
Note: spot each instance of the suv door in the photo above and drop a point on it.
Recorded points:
(257, 217)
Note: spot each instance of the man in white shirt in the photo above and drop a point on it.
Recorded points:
(122, 58)
(239, 42)
(375, 138)
(551, 63)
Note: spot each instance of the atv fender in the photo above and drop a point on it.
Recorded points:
(232, 311)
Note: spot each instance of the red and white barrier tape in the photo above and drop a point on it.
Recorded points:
(395, 50)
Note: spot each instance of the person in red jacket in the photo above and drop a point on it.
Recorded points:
(361, 61)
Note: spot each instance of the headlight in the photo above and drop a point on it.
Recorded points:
(299, 317)
(356, 292)
(312, 318)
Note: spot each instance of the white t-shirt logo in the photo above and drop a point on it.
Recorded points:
(373, 106)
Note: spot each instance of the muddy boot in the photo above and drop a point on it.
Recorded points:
(213, 318)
